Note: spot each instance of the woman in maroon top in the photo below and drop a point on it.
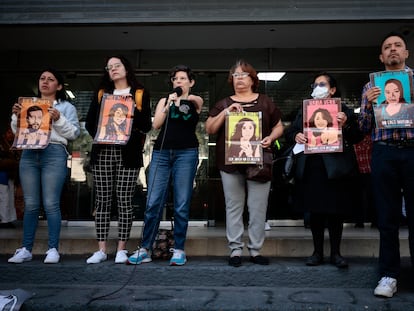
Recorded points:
(244, 80)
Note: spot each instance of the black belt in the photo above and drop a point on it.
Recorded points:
(397, 143)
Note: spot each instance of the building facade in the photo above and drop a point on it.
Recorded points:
(299, 38)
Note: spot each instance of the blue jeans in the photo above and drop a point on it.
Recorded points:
(176, 167)
(42, 176)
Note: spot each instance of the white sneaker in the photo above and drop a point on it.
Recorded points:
(387, 287)
(52, 256)
(178, 258)
(139, 256)
(21, 255)
(121, 256)
(97, 257)
(267, 226)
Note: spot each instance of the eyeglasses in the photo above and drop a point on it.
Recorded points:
(321, 84)
(179, 78)
(240, 74)
(114, 66)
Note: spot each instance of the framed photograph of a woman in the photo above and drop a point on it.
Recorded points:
(320, 126)
(394, 108)
(115, 120)
(243, 137)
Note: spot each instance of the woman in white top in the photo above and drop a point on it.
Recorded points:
(43, 171)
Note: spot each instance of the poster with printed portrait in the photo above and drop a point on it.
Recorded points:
(34, 124)
(320, 125)
(394, 107)
(243, 134)
(115, 120)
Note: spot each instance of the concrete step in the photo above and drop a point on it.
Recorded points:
(285, 239)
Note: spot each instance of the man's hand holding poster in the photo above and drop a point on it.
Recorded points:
(115, 120)
(243, 136)
(34, 124)
(320, 125)
(394, 107)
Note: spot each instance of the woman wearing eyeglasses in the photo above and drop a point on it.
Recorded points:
(245, 82)
(324, 182)
(115, 167)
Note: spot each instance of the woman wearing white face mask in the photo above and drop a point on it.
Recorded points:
(322, 89)
(324, 181)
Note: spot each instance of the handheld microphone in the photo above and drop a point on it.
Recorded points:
(178, 90)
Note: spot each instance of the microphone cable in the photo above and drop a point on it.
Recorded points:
(179, 91)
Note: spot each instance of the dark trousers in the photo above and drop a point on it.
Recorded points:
(366, 210)
(392, 172)
(334, 223)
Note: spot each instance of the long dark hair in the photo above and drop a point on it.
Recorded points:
(238, 129)
(60, 94)
(108, 85)
(110, 128)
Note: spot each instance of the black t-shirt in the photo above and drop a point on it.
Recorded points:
(179, 128)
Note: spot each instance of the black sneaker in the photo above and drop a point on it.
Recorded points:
(314, 260)
(235, 261)
(339, 261)
(260, 260)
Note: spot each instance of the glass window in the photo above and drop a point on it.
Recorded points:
(208, 201)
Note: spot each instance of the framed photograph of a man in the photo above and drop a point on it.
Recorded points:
(115, 120)
(34, 124)
(243, 136)
(394, 107)
(320, 125)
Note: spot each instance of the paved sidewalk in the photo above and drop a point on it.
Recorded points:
(204, 283)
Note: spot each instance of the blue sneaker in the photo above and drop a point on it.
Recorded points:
(139, 256)
(178, 258)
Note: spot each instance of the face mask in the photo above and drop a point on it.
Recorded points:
(320, 92)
